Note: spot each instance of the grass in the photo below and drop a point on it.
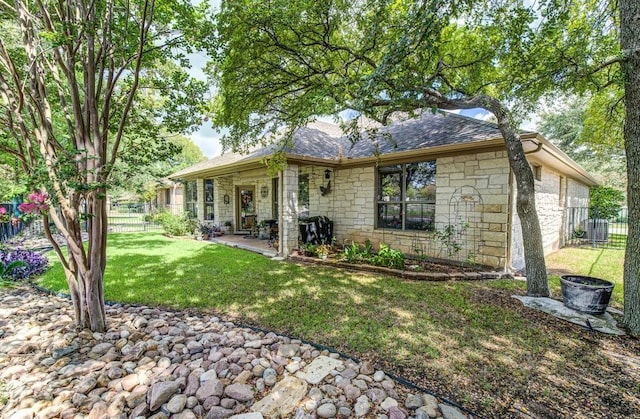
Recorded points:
(468, 340)
(601, 263)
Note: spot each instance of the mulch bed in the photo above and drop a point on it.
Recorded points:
(414, 269)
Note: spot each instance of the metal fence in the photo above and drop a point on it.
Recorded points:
(595, 228)
(123, 218)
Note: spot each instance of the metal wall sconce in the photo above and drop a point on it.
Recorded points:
(226, 199)
(324, 190)
(264, 191)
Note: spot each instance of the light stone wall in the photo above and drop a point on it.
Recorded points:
(289, 214)
(554, 193)
(200, 199)
(577, 194)
(318, 204)
(223, 185)
(477, 185)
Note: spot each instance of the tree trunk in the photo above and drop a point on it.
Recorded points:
(630, 45)
(536, 270)
(85, 270)
(537, 283)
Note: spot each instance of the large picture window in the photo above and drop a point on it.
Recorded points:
(208, 199)
(191, 199)
(407, 196)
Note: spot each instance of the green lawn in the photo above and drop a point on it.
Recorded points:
(468, 340)
(601, 263)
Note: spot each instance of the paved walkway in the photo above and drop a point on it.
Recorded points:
(247, 243)
(159, 364)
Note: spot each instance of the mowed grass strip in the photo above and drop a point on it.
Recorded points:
(607, 264)
(468, 340)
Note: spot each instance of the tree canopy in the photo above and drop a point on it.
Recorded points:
(580, 126)
(78, 80)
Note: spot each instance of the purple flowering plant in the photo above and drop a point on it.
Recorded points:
(32, 263)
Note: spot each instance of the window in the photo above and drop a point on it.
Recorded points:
(191, 199)
(303, 195)
(407, 196)
(167, 196)
(208, 199)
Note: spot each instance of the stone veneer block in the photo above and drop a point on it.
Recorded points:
(320, 368)
(283, 399)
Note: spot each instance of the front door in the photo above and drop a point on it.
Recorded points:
(246, 208)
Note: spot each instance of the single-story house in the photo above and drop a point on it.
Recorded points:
(436, 186)
(170, 196)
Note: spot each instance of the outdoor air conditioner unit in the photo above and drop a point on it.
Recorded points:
(597, 230)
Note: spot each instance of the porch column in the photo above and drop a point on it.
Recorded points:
(288, 223)
(200, 204)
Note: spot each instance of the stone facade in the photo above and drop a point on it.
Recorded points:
(289, 213)
(170, 198)
(473, 193)
(554, 193)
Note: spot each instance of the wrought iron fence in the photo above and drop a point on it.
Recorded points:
(123, 218)
(588, 227)
(132, 217)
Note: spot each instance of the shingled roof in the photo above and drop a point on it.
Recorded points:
(322, 140)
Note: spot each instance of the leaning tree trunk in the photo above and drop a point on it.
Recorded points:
(630, 44)
(536, 270)
(537, 283)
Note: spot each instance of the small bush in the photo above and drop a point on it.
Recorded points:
(388, 257)
(34, 263)
(605, 202)
(175, 225)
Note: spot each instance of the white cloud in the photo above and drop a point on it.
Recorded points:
(208, 139)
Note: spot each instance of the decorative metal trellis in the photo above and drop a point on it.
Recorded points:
(457, 235)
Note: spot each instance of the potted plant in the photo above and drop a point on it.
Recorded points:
(227, 227)
(263, 232)
(322, 251)
(205, 232)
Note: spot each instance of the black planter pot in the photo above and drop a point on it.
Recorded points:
(586, 294)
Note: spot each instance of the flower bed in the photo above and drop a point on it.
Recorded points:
(429, 271)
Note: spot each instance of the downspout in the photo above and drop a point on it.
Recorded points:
(510, 214)
(510, 196)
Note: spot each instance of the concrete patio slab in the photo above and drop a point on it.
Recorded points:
(604, 323)
(246, 243)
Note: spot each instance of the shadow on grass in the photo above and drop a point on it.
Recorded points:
(470, 341)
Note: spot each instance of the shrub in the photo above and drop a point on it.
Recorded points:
(356, 254)
(388, 257)
(176, 225)
(34, 263)
(606, 201)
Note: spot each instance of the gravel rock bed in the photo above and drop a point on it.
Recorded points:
(155, 363)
